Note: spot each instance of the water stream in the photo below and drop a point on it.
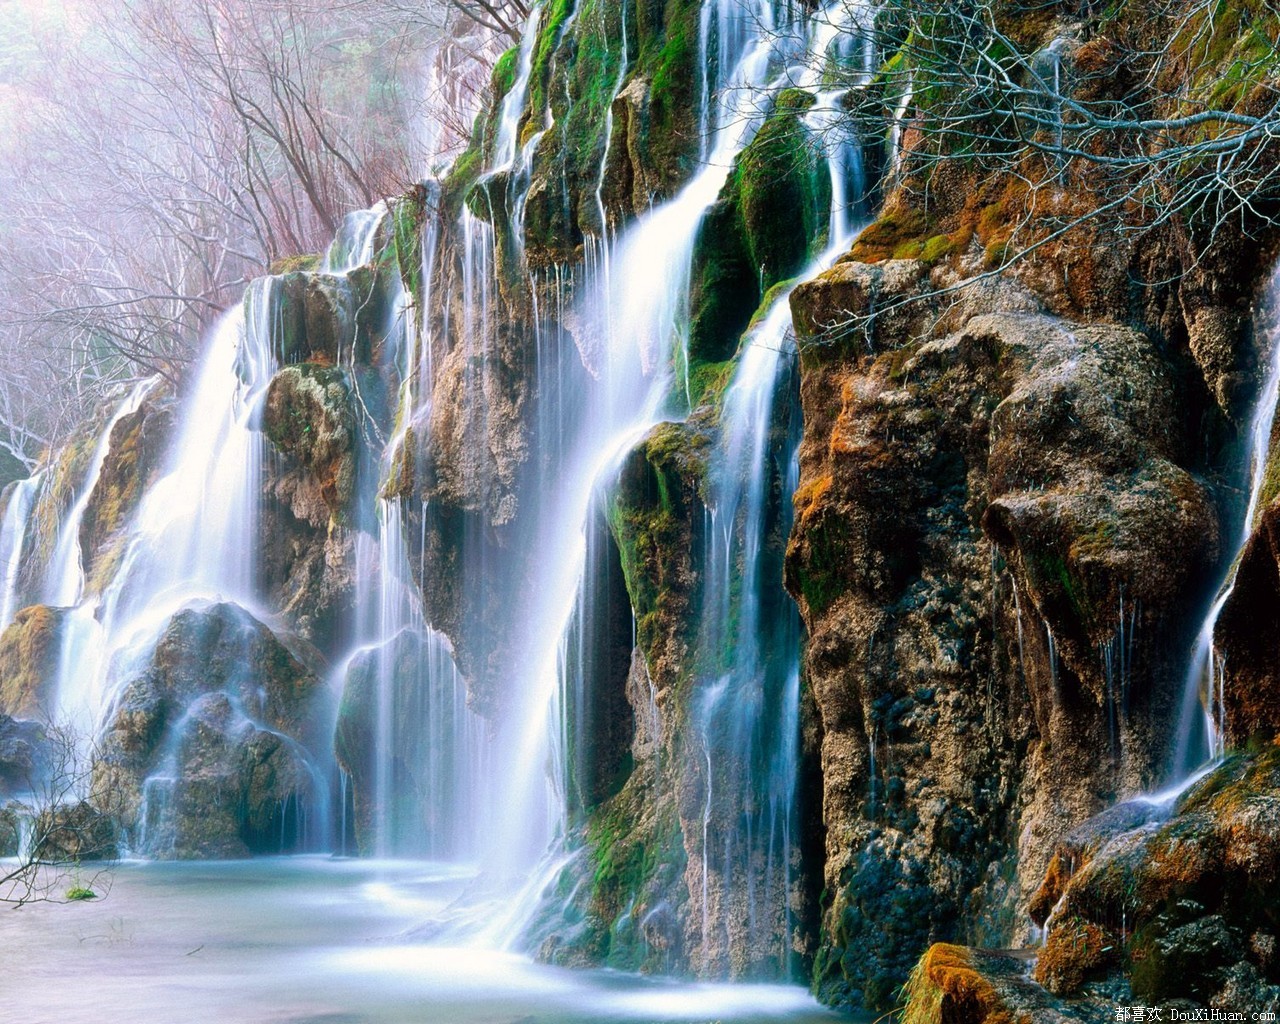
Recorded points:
(1200, 722)
(491, 798)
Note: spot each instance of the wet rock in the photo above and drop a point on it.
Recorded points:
(29, 652)
(1188, 904)
(226, 788)
(980, 497)
(1074, 850)
(25, 755)
(204, 752)
(1248, 641)
(10, 830)
(955, 985)
(135, 458)
(952, 984)
(75, 832)
(308, 415)
(424, 714)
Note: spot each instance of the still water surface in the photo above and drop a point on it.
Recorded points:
(312, 940)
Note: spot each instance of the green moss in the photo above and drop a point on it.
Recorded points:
(505, 70)
(77, 893)
(409, 213)
(820, 577)
(707, 381)
(293, 264)
(936, 248)
(744, 246)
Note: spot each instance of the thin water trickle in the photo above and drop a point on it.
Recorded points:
(14, 529)
(1200, 726)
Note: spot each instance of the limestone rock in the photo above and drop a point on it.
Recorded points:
(309, 415)
(991, 509)
(1185, 906)
(955, 985)
(29, 652)
(75, 832)
(205, 751)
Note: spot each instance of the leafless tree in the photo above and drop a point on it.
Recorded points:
(1075, 120)
(66, 852)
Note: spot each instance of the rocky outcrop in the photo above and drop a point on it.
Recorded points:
(26, 756)
(1247, 640)
(1185, 906)
(75, 832)
(206, 751)
(956, 985)
(309, 416)
(29, 652)
(134, 459)
(997, 537)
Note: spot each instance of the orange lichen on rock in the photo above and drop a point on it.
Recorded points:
(1074, 951)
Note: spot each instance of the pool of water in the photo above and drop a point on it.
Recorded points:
(312, 940)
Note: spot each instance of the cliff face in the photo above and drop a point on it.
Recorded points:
(1014, 501)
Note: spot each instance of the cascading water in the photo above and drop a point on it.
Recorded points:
(65, 583)
(14, 528)
(1200, 721)
(440, 785)
(747, 713)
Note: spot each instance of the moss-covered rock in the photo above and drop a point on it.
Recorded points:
(30, 648)
(930, 619)
(1185, 907)
(744, 246)
(308, 415)
(204, 752)
(955, 985)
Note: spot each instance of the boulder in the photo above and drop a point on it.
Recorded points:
(415, 674)
(1187, 907)
(226, 787)
(74, 832)
(205, 751)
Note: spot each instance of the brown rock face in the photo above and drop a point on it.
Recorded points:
(996, 552)
(206, 751)
(1248, 640)
(1185, 906)
(29, 651)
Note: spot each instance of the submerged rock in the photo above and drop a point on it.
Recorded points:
(205, 752)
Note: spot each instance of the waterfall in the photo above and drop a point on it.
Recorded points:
(627, 357)
(65, 583)
(1200, 727)
(13, 538)
(195, 530)
(747, 712)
